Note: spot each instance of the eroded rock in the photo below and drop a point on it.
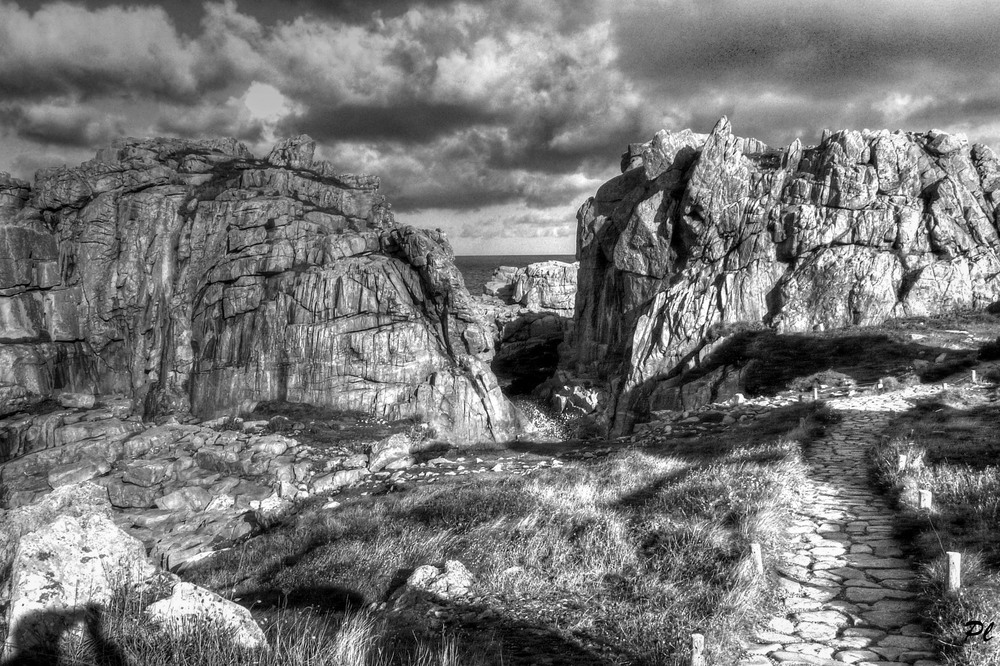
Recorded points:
(192, 277)
(702, 232)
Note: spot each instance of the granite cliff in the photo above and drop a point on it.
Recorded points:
(530, 309)
(192, 277)
(704, 234)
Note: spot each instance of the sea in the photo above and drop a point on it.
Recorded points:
(477, 269)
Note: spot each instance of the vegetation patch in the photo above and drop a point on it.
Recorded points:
(615, 560)
(951, 446)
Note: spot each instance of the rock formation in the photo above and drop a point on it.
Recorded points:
(62, 562)
(531, 309)
(705, 233)
(192, 277)
(546, 286)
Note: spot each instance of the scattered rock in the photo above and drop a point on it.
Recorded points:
(429, 583)
(391, 449)
(76, 400)
(192, 610)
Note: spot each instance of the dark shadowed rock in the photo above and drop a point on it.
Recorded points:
(703, 232)
(534, 311)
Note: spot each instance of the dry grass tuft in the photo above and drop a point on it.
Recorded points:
(951, 448)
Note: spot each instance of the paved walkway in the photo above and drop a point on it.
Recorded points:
(848, 589)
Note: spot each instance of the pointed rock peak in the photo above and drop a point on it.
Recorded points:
(294, 153)
(722, 128)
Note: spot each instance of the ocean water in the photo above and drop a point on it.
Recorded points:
(477, 269)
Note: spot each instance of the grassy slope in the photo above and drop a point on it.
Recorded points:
(953, 449)
(616, 560)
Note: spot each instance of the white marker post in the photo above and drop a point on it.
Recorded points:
(815, 394)
(974, 380)
(697, 650)
(901, 462)
(925, 500)
(954, 572)
(758, 558)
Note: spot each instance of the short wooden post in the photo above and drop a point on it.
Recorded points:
(901, 462)
(974, 380)
(815, 394)
(758, 558)
(925, 500)
(954, 571)
(697, 650)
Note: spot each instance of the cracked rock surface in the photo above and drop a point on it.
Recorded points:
(191, 276)
(704, 232)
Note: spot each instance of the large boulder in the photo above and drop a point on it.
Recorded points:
(703, 232)
(62, 573)
(191, 276)
(191, 611)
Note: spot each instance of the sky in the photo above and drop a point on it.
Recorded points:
(492, 120)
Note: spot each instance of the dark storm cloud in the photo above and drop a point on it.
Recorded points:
(60, 125)
(823, 48)
(464, 105)
(410, 120)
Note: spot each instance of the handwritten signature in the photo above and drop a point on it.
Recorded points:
(977, 628)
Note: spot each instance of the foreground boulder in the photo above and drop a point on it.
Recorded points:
(62, 572)
(192, 610)
(191, 276)
(702, 234)
(62, 562)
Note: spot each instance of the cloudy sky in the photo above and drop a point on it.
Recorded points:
(490, 119)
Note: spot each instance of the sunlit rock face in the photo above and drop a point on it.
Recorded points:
(192, 276)
(702, 232)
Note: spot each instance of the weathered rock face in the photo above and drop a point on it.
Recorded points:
(546, 286)
(192, 276)
(702, 232)
(531, 314)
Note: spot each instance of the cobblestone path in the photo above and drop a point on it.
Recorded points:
(848, 589)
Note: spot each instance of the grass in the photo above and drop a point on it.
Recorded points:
(952, 448)
(617, 560)
(122, 635)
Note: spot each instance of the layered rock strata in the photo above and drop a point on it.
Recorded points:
(531, 309)
(191, 276)
(705, 233)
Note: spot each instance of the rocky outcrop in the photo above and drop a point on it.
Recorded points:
(705, 233)
(546, 286)
(192, 277)
(63, 560)
(531, 310)
(183, 490)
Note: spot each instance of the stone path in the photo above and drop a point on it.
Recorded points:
(848, 589)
